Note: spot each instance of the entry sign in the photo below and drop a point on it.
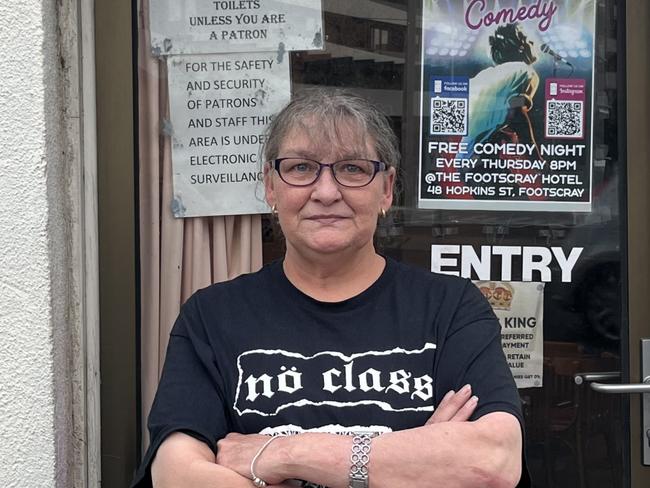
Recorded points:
(225, 26)
(519, 307)
(220, 106)
(507, 105)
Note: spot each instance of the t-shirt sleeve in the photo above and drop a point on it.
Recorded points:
(472, 354)
(189, 398)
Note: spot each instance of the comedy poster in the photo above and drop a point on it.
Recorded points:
(507, 105)
(519, 307)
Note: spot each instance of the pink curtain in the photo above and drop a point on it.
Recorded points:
(178, 256)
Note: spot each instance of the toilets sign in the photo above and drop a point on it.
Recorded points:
(211, 27)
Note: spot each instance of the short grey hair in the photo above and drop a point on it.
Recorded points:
(331, 113)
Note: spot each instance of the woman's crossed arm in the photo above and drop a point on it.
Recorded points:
(448, 451)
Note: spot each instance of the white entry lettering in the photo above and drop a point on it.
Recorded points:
(526, 263)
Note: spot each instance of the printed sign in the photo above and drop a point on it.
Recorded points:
(520, 310)
(507, 105)
(211, 27)
(220, 106)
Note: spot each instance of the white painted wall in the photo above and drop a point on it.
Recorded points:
(41, 339)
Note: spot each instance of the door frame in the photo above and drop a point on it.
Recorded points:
(637, 137)
(116, 63)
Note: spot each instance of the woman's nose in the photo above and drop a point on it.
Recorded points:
(326, 189)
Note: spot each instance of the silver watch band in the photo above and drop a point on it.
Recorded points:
(359, 458)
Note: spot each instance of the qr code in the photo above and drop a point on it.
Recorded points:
(564, 119)
(449, 116)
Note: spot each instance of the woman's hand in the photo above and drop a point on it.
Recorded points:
(455, 407)
(236, 451)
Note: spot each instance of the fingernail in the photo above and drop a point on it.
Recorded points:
(448, 394)
(466, 389)
(474, 399)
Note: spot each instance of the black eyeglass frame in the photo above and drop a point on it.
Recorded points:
(378, 166)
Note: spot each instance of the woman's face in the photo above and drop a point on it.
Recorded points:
(326, 217)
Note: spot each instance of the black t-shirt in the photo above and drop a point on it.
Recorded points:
(255, 354)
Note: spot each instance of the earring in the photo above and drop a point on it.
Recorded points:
(274, 209)
(382, 213)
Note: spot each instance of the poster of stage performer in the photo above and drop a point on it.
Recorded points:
(507, 105)
(519, 307)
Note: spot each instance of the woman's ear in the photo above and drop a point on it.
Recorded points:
(389, 187)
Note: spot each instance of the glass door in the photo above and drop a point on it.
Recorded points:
(569, 261)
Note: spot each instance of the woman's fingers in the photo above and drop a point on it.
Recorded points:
(466, 410)
(455, 406)
(443, 412)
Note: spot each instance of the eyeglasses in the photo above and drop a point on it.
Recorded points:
(353, 173)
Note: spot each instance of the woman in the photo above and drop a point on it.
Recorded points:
(334, 339)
